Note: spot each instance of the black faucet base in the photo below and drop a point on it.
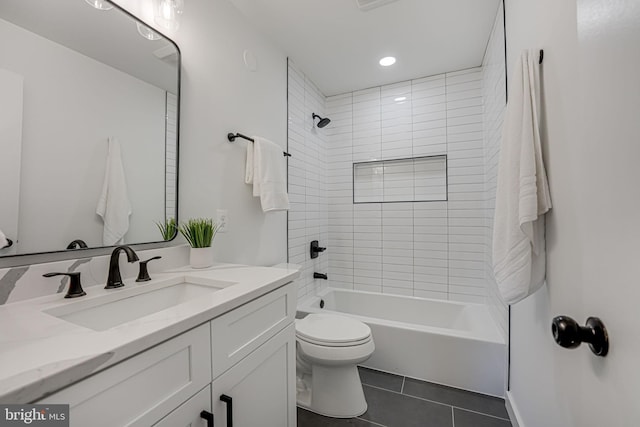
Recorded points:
(114, 285)
(81, 294)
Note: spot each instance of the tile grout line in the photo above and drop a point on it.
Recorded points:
(453, 417)
(371, 422)
(480, 413)
(402, 387)
(436, 402)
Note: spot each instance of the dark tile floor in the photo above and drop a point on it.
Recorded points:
(396, 401)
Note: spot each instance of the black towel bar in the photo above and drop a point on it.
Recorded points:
(232, 137)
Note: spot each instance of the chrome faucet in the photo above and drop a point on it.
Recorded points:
(115, 280)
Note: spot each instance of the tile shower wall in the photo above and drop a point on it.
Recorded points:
(307, 180)
(171, 156)
(494, 95)
(428, 249)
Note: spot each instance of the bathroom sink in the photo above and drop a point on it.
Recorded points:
(129, 304)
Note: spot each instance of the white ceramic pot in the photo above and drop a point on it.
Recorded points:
(201, 257)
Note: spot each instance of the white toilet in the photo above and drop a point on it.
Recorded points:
(328, 348)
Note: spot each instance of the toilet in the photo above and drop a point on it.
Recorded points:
(328, 349)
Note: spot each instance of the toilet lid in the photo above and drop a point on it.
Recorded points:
(331, 329)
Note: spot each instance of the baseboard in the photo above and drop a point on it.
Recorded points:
(512, 410)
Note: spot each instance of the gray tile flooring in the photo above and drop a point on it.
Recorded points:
(396, 401)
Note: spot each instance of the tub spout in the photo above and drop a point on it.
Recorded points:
(320, 276)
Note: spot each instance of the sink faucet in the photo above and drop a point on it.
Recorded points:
(115, 280)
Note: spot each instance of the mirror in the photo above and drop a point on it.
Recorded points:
(80, 87)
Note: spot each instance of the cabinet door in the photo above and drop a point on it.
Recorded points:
(143, 389)
(188, 414)
(261, 386)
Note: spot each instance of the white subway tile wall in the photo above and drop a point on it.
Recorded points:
(307, 180)
(429, 249)
(494, 95)
(437, 249)
(171, 155)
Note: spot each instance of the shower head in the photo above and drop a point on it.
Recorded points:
(323, 122)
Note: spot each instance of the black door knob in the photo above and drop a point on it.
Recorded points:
(567, 333)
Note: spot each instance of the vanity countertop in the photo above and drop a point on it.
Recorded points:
(40, 353)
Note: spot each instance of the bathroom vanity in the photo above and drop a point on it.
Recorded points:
(224, 346)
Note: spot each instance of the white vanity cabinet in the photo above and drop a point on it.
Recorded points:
(247, 354)
(190, 413)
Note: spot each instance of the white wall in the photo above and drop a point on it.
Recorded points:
(219, 95)
(428, 249)
(494, 100)
(308, 216)
(590, 104)
(541, 388)
(72, 104)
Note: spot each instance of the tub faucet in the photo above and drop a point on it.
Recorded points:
(114, 280)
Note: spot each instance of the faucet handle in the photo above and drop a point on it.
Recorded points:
(143, 274)
(75, 287)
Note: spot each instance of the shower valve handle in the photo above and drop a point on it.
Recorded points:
(315, 249)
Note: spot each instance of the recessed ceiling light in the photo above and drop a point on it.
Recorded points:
(400, 99)
(387, 61)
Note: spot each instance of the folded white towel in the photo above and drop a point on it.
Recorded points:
(114, 206)
(522, 195)
(3, 240)
(248, 170)
(265, 169)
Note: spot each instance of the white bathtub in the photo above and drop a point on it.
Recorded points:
(445, 342)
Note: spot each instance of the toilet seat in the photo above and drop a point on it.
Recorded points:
(332, 330)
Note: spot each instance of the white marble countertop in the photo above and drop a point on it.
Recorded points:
(40, 353)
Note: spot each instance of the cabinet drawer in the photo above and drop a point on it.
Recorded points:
(188, 414)
(236, 334)
(142, 389)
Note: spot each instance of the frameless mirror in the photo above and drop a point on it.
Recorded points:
(85, 91)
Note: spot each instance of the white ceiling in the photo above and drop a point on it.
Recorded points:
(338, 46)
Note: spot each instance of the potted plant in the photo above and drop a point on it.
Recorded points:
(168, 228)
(199, 232)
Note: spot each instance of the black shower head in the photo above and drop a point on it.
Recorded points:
(323, 122)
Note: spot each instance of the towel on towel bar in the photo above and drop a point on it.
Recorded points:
(265, 169)
(522, 195)
(114, 206)
(3, 240)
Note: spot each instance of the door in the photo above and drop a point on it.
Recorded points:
(11, 148)
(609, 87)
(260, 389)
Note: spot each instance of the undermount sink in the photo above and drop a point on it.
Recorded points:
(128, 304)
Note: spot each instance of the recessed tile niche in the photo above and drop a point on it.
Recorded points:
(415, 179)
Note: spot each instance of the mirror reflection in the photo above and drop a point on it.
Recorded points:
(88, 126)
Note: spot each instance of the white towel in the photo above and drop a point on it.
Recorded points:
(3, 240)
(265, 169)
(114, 206)
(522, 195)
